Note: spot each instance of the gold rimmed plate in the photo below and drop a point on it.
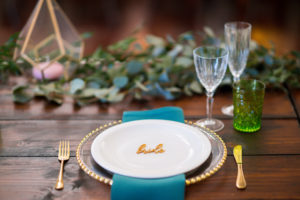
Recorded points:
(209, 167)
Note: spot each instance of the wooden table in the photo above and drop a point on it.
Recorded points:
(29, 136)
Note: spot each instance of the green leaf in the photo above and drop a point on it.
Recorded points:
(122, 45)
(55, 97)
(120, 81)
(88, 92)
(134, 67)
(164, 77)
(8, 65)
(116, 98)
(76, 85)
(158, 50)
(170, 39)
(186, 37)
(139, 85)
(163, 64)
(164, 92)
(52, 91)
(114, 95)
(184, 61)
(138, 95)
(102, 93)
(208, 31)
(155, 41)
(187, 91)
(268, 60)
(284, 76)
(187, 51)
(278, 71)
(174, 89)
(101, 56)
(85, 101)
(93, 84)
(175, 51)
(22, 94)
(196, 87)
(86, 96)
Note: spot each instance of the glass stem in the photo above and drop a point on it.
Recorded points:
(236, 79)
(209, 105)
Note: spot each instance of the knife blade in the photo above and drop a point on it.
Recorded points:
(240, 180)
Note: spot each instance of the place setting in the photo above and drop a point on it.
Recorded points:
(151, 149)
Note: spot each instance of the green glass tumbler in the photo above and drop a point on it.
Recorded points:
(248, 99)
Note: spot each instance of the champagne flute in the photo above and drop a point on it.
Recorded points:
(237, 38)
(211, 64)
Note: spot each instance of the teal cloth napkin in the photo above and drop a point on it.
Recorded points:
(170, 188)
(168, 113)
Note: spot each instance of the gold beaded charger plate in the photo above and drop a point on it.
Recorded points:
(209, 167)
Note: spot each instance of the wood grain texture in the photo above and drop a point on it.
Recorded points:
(35, 178)
(41, 137)
(277, 105)
(274, 137)
(268, 177)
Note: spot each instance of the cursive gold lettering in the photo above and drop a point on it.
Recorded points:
(157, 149)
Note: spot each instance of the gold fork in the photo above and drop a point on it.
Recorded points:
(63, 155)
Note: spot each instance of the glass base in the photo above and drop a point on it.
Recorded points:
(212, 124)
(227, 110)
(246, 129)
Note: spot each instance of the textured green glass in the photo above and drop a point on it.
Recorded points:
(248, 99)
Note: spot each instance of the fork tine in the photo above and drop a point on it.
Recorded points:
(59, 149)
(68, 148)
(65, 149)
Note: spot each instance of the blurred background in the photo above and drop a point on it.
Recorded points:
(276, 21)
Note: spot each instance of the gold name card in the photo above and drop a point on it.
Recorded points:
(157, 149)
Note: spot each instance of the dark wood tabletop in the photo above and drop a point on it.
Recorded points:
(30, 134)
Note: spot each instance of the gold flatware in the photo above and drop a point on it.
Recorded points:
(63, 155)
(240, 180)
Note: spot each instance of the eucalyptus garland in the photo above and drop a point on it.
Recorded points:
(163, 68)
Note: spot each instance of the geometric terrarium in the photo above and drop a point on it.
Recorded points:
(49, 42)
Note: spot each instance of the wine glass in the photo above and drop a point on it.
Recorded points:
(211, 64)
(237, 38)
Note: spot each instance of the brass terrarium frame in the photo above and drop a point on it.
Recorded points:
(62, 43)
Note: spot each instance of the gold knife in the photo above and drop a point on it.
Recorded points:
(240, 180)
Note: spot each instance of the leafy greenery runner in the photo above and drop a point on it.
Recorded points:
(163, 68)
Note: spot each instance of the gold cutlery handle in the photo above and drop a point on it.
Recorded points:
(60, 183)
(240, 180)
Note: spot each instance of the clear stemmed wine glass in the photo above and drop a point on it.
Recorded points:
(211, 64)
(237, 38)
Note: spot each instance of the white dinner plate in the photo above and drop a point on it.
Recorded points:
(186, 148)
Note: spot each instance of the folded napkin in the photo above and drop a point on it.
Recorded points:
(172, 188)
(167, 113)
